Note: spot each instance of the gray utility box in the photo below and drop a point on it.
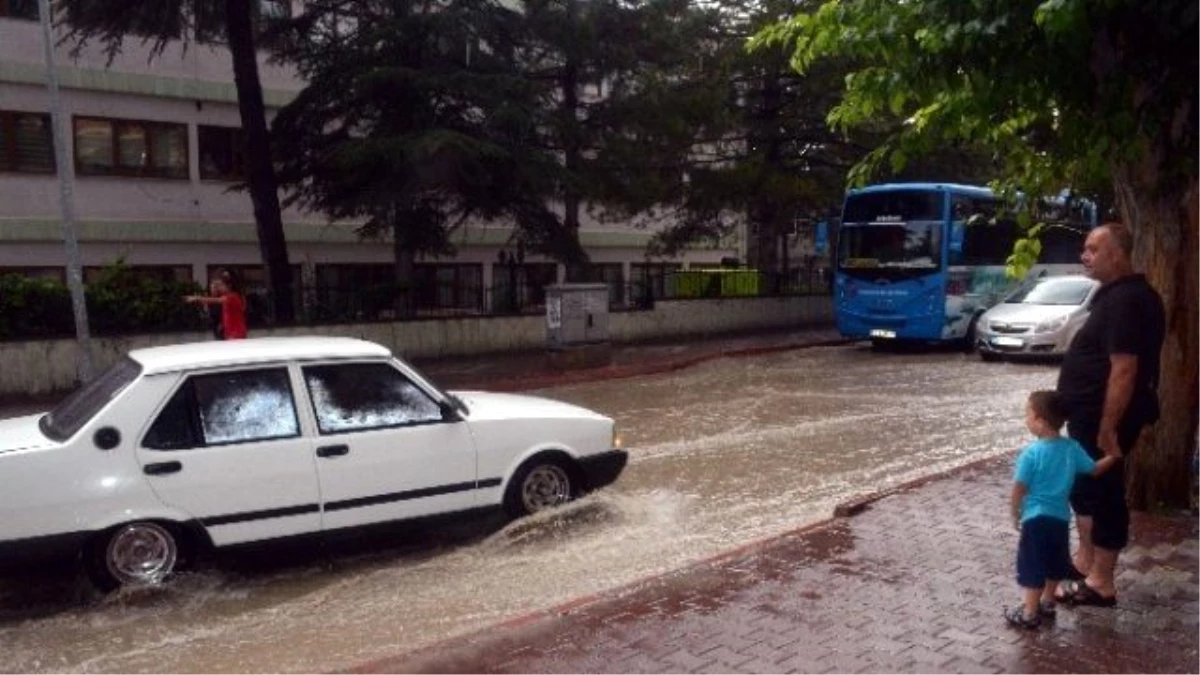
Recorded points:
(576, 314)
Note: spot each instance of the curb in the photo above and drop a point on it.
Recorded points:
(856, 505)
(843, 510)
(618, 372)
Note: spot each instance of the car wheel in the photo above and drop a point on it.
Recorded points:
(540, 484)
(136, 554)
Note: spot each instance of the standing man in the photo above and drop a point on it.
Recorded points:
(1109, 381)
(233, 307)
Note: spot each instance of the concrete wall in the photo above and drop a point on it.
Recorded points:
(40, 367)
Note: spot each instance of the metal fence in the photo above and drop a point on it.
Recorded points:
(161, 308)
(389, 302)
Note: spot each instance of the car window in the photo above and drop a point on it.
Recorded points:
(229, 407)
(175, 426)
(75, 411)
(361, 396)
(1054, 292)
(245, 405)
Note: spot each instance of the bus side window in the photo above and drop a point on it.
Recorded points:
(1061, 245)
(987, 238)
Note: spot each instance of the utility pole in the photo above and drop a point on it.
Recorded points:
(66, 189)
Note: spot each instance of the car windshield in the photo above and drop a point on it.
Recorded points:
(69, 416)
(1053, 292)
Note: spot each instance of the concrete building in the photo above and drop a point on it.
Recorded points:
(155, 146)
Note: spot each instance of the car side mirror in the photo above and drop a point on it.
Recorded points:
(449, 412)
(106, 438)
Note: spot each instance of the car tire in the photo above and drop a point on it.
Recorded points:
(985, 355)
(135, 554)
(542, 483)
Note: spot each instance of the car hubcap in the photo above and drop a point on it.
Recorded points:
(141, 554)
(545, 487)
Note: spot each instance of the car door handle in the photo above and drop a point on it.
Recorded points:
(333, 450)
(160, 468)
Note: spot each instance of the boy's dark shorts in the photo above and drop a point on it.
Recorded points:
(1044, 553)
(1103, 498)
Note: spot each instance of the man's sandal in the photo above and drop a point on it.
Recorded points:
(1078, 593)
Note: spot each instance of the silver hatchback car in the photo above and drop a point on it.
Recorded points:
(1039, 319)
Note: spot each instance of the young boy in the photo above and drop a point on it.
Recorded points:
(1045, 472)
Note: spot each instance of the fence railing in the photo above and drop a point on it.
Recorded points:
(160, 308)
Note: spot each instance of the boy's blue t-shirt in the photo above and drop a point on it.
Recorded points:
(1047, 468)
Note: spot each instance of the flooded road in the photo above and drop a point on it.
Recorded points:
(722, 454)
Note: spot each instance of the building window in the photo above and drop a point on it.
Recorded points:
(222, 153)
(210, 18)
(160, 273)
(521, 287)
(613, 276)
(19, 9)
(26, 144)
(648, 280)
(449, 286)
(58, 274)
(106, 147)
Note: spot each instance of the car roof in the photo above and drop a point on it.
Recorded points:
(1066, 277)
(197, 355)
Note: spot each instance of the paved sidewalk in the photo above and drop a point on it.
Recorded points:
(916, 582)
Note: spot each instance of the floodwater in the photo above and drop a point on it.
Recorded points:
(722, 454)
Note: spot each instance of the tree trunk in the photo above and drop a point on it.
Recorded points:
(404, 260)
(1166, 239)
(260, 172)
(576, 270)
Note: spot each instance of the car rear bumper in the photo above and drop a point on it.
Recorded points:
(602, 469)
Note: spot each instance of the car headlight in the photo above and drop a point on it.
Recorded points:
(1050, 325)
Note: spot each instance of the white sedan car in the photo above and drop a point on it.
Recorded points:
(226, 443)
(1038, 320)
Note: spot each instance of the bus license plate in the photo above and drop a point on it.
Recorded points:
(1007, 342)
(881, 333)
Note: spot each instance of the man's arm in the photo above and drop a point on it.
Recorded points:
(1117, 394)
(1018, 495)
(204, 299)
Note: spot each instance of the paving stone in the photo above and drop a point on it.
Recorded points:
(914, 584)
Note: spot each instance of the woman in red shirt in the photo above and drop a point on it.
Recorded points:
(233, 306)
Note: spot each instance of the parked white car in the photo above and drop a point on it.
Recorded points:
(226, 443)
(1039, 319)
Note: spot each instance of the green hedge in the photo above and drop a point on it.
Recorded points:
(119, 301)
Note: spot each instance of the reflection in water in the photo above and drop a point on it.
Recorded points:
(721, 455)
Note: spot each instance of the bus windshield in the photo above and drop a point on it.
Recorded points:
(911, 246)
(892, 230)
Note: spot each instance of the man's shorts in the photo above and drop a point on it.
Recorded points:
(1103, 498)
(1044, 553)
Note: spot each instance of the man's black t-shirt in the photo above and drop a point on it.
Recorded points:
(1126, 317)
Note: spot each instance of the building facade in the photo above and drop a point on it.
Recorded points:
(155, 150)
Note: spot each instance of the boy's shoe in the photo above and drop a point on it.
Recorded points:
(1016, 617)
(1047, 610)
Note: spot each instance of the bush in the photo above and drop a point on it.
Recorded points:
(119, 301)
